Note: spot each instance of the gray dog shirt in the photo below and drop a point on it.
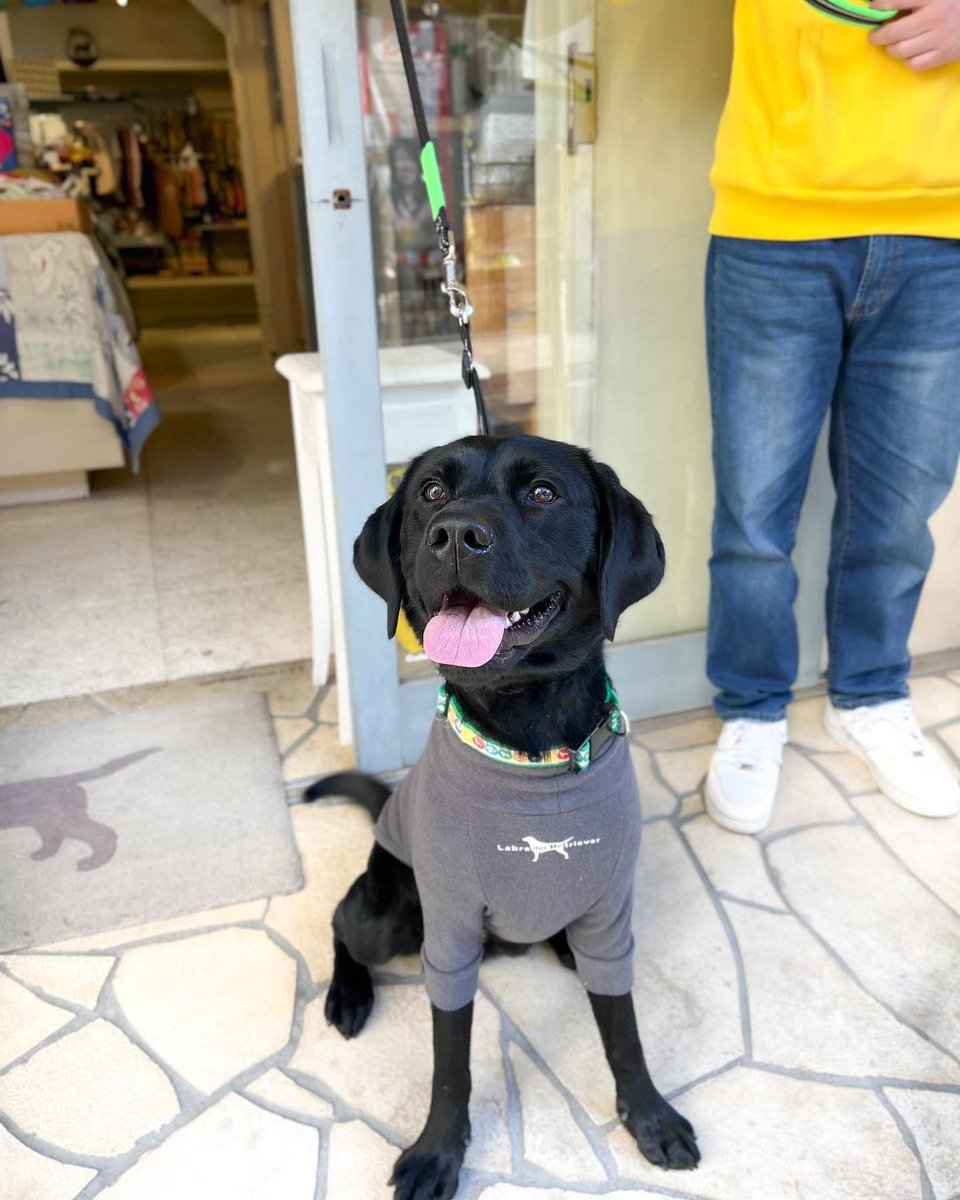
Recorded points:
(521, 851)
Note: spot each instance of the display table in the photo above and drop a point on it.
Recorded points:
(48, 446)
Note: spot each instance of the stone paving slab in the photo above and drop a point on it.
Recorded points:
(33, 1176)
(898, 941)
(233, 1151)
(78, 979)
(797, 994)
(734, 866)
(25, 1019)
(934, 1121)
(196, 1004)
(92, 1094)
(772, 1137)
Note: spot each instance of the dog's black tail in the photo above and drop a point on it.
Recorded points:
(364, 789)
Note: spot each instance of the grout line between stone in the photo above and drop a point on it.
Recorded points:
(512, 1032)
(864, 1083)
(78, 1022)
(862, 821)
(193, 1102)
(108, 1009)
(926, 1188)
(769, 839)
(835, 954)
(840, 960)
(38, 1145)
(78, 1010)
(514, 1114)
(342, 1111)
(945, 746)
(320, 1124)
(313, 708)
(659, 776)
(298, 742)
(323, 1164)
(732, 941)
(891, 853)
(729, 898)
(706, 1077)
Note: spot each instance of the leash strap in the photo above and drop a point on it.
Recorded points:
(460, 306)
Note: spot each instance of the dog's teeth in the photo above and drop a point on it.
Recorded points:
(513, 617)
(524, 611)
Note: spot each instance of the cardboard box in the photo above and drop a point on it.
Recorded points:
(58, 215)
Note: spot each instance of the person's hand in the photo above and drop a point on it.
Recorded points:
(926, 35)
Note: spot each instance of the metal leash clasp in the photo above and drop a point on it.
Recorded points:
(460, 306)
(462, 309)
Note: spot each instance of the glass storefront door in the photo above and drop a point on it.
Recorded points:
(582, 255)
(496, 78)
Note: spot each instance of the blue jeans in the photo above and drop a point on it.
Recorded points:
(867, 328)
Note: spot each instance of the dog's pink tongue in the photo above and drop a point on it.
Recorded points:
(464, 637)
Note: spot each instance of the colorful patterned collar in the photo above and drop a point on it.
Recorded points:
(614, 724)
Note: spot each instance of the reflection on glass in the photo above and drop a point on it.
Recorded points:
(494, 78)
(494, 89)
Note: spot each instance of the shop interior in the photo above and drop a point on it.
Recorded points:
(167, 134)
(129, 137)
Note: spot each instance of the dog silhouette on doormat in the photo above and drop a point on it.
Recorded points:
(56, 807)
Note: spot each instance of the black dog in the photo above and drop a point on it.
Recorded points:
(512, 560)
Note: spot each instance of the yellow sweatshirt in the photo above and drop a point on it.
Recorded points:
(824, 135)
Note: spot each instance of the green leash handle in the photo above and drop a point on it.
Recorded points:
(854, 12)
(431, 177)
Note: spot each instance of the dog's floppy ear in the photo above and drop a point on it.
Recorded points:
(376, 555)
(631, 559)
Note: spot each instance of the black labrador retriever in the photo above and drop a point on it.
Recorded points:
(512, 559)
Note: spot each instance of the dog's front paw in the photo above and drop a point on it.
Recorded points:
(349, 1002)
(665, 1137)
(422, 1174)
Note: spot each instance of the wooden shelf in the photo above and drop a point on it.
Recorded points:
(155, 282)
(121, 66)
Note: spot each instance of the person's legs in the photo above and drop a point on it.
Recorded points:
(775, 330)
(894, 444)
(774, 345)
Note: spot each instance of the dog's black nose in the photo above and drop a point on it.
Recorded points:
(459, 534)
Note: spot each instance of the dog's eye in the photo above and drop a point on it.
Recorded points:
(542, 493)
(433, 491)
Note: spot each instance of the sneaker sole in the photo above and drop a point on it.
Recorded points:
(733, 824)
(903, 799)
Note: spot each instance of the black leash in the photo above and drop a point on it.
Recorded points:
(460, 306)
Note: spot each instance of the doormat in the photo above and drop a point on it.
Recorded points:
(140, 816)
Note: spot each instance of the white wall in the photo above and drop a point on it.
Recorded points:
(662, 76)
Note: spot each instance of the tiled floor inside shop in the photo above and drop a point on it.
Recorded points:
(799, 995)
(193, 566)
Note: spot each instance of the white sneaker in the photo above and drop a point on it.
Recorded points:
(744, 773)
(906, 767)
